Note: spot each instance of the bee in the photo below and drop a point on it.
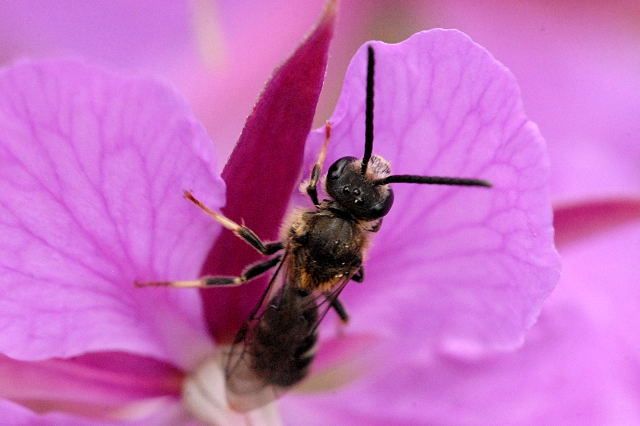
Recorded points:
(321, 249)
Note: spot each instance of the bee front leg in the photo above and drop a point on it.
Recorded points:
(240, 231)
(317, 167)
(251, 272)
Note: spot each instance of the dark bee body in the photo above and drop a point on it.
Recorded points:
(283, 340)
(274, 352)
(274, 349)
(324, 248)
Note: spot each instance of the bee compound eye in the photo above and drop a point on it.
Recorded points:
(382, 207)
(338, 167)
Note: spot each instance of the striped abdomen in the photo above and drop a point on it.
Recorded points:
(275, 353)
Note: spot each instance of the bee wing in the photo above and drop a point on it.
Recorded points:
(246, 390)
(323, 301)
(247, 387)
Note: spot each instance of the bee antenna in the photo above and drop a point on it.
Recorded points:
(368, 129)
(432, 180)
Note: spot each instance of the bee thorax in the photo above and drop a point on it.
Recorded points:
(326, 250)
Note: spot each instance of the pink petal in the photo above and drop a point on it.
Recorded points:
(464, 269)
(574, 222)
(578, 366)
(263, 170)
(94, 166)
(601, 274)
(341, 360)
(580, 91)
(556, 378)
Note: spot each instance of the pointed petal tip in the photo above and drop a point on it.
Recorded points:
(330, 11)
(322, 32)
(274, 136)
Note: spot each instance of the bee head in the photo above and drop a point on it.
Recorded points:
(356, 192)
(361, 186)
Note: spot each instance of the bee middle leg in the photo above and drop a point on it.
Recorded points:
(317, 167)
(240, 231)
(251, 272)
(337, 306)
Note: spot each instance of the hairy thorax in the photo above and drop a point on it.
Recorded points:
(324, 248)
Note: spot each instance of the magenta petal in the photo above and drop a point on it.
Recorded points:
(93, 170)
(263, 171)
(93, 384)
(164, 412)
(577, 221)
(464, 269)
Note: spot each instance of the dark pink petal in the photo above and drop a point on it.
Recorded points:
(93, 170)
(577, 221)
(263, 171)
(93, 384)
(162, 412)
(461, 269)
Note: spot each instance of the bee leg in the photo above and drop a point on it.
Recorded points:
(359, 275)
(317, 168)
(251, 272)
(240, 231)
(340, 310)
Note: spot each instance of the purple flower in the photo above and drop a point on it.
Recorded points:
(93, 170)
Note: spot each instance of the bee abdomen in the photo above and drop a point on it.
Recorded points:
(284, 341)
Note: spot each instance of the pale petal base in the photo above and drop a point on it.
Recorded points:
(204, 397)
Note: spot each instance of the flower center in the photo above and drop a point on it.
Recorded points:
(204, 396)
